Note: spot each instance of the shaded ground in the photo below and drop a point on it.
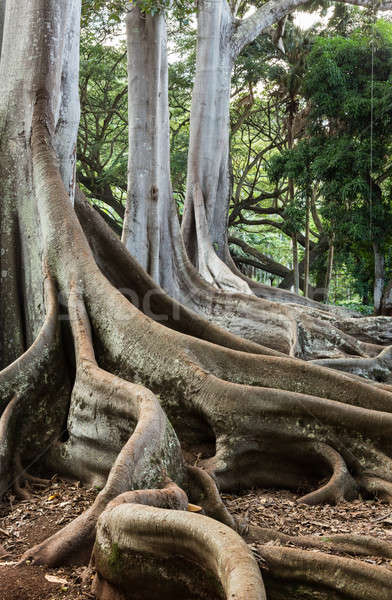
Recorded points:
(24, 523)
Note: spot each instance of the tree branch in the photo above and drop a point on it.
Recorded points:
(262, 261)
(248, 29)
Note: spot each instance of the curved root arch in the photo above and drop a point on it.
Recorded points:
(173, 554)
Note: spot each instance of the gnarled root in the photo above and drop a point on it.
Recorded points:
(143, 552)
(203, 491)
(151, 454)
(341, 485)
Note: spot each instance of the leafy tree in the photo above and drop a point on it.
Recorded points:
(348, 85)
(103, 131)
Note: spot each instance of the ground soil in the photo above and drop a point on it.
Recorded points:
(24, 523)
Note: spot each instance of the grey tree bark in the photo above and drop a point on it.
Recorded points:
(146, 231)
(2, 12)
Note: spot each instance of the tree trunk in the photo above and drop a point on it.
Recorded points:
(307, 248)
(328, 275)
(208, 156)
(204, 224)
(295, 263)
(146, 231)
(379, 277)
(205, 218)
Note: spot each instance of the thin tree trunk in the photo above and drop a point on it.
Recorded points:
(307, 248)
(328, 275)
(379, 277)
(290, 142)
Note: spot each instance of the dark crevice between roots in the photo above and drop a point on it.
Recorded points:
(196, 436)
(70, 363)
(279, 589)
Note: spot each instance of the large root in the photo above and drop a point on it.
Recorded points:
(143, 552)
(378, 368)
(150, 456)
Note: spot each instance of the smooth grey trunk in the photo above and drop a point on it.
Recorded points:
(208, 156)
(27, 27)
(379, 277)
(205, 220)
(65, 139)
(150, 215)
(2, 12)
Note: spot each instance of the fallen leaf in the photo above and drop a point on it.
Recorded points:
(54, 579)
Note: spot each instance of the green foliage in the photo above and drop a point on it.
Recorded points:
(348, 84)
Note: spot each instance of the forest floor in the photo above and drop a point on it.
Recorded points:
(25, 523)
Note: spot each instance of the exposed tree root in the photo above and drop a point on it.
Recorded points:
(301, 573)
(378, 368)
(204, 491)
(172, 554)
(354, 545)
(341, 486)
(150, 456)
